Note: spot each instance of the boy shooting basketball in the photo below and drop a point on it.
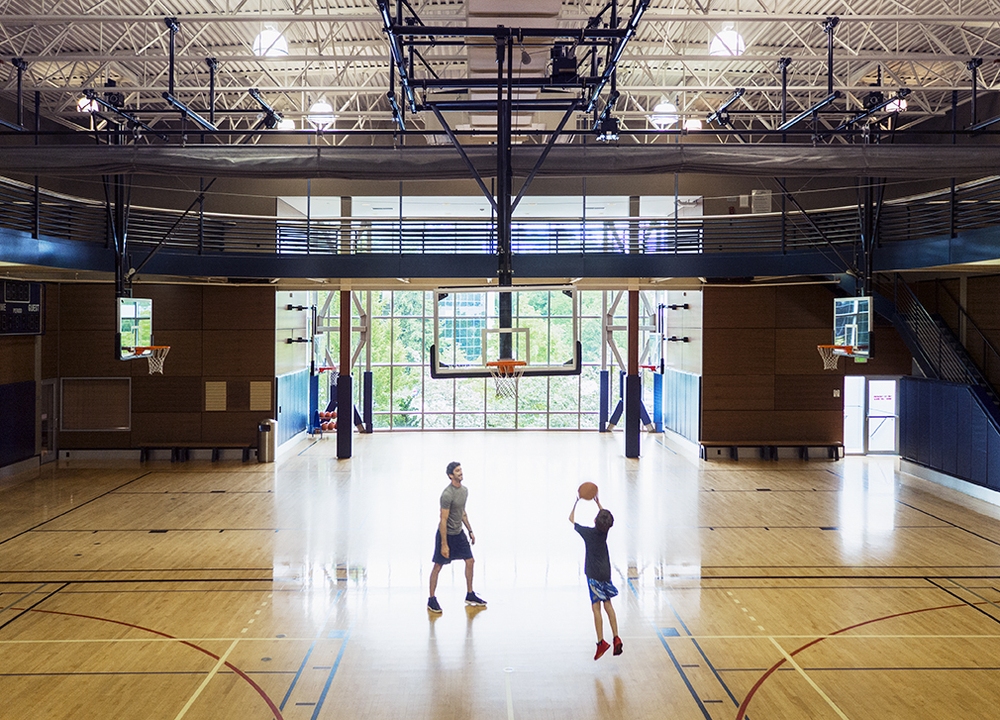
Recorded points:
(597, 568)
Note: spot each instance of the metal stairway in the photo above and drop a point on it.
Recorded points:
(935, 348)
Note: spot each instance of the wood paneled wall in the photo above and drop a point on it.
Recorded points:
(762, 378)
(216, 334)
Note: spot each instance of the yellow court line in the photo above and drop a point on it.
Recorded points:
(809, 680)
(204, 683)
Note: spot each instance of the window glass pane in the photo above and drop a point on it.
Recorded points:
(409, 420)
(381, 421)
(406, 389)
(408, 303)
(469, 420)
(381, 345)
(590, 337)
(469, 394)
(439, 393)
(590, 389)
(563, 393)
(381, 400)
(532, 394)
(500, 420)
(438, 421)
(560, 421)
(407, 346)
(531, 420)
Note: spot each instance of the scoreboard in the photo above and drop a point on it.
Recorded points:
(21, 308)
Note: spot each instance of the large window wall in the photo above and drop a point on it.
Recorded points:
(406, 396)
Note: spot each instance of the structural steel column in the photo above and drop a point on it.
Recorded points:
(633, 386)
(345, 394)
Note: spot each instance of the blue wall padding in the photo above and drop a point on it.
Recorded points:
(17, 422)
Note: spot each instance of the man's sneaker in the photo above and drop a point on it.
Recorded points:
(602, 647)
(618, 645)
(473, 600)
(432, 605)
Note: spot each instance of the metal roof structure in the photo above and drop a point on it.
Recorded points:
(944, 53)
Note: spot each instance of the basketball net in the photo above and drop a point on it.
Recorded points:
(156, 358)
(506, 374)
(830, 356)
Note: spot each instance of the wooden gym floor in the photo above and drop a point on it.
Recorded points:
(827, 589)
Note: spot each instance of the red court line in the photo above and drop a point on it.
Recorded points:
(773, 668)
(247, 678)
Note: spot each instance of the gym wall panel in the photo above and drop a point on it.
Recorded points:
(89, 353)
(236, 428)
(809, 392)
(682, 403)
(230, 353)
(88, 307)
(771, 426)
(981, 301)
(681, 322)
(157, 428)
(739, 351)
(17, 359)
(738, 392)
(50, 340)
(737, 307)
(809, 306)
(167, 393)
(95, 403)
(175, 307)
(293, 404)
(237, 308)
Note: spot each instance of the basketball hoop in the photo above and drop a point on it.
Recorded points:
(831, 354)
(156, 355)
(506, 373)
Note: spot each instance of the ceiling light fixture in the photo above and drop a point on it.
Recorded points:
(664, 115)
(693, 124)
(86, 105)
(321, 115)
(270, 43)
(727, 42)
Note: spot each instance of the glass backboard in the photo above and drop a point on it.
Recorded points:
(135, 326)
(852, 322)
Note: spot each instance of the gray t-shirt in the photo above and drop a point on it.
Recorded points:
(453, 500)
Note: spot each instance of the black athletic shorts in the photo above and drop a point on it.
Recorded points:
(458, 548)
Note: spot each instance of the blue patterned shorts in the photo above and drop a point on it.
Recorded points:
(600, 591)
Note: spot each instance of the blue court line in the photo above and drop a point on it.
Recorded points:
(308, 653)
(333, 671)
(684, 677)
(701, 652)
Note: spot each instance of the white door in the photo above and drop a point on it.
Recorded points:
(47, 411)
(882, 417)
(854, 415)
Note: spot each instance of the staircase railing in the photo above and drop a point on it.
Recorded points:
(945, 359)
(980, 349)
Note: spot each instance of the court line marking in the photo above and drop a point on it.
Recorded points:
(305, 660)
(741, 713)
(510, 695)
(817, 688)
(204, 683)
(72, 509)
(333, 671)
(859, 636)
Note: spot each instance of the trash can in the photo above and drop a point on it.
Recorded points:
(266, 433)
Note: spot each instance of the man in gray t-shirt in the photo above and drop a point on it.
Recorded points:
(450, 542)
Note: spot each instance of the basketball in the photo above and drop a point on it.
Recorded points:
(588, 491)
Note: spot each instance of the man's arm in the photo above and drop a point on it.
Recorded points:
(443, 529)
(472, 535)
(572, 513)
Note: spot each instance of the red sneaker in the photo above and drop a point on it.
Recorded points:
(602, 647)
(618, 645)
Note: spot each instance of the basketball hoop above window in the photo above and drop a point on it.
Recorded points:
(506, 374)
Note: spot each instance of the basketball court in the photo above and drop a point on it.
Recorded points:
(838, 589)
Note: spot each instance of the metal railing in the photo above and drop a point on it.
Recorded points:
(972, 205)
(944, 358)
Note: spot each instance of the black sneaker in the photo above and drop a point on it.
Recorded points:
(432, 605)
(473, 600)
